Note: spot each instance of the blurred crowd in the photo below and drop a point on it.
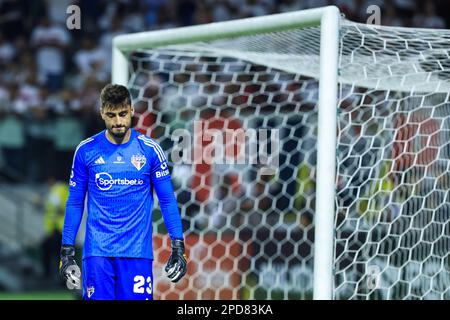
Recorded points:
(51, 76)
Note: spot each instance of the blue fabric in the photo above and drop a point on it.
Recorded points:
(117, 279)
(119, 180)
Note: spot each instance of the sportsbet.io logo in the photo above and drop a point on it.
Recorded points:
(105, 181)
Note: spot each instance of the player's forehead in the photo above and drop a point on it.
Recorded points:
(116, 109)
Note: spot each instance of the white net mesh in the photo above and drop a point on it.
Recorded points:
(392, 230)
(251, 236)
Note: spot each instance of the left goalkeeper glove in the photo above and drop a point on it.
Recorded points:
(176, 266)
(68, 267)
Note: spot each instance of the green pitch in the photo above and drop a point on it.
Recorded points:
(44, 295)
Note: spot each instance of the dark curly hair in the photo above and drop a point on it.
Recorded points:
(115, 96)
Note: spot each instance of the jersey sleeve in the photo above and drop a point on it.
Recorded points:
(162, 183)
(75, 202)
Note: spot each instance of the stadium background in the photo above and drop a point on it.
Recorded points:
(50, 82)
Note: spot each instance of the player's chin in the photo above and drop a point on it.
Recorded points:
(119, 132)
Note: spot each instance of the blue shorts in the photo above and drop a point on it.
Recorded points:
(117, 278)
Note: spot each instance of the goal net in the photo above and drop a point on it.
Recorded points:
(251, 233)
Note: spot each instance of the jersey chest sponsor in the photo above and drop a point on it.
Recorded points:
(105, 181)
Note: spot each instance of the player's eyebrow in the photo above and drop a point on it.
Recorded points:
(112, 113)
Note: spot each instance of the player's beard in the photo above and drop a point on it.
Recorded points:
(119, 132)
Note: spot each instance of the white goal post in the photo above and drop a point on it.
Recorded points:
(328, 19)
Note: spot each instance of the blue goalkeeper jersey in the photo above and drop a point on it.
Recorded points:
(119, 179)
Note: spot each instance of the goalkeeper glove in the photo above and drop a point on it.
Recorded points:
(176, 266)
(68, 267)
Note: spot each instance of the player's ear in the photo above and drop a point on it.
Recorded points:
(101, 113)
(132, 111)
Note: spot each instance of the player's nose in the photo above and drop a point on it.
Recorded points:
(117, 121)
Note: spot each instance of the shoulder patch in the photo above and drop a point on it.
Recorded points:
(155, 146)
(82, 143)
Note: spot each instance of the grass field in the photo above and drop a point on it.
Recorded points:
(44, 295)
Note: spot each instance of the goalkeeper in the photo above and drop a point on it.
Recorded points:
(119, 168)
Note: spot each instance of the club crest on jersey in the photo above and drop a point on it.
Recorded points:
(138, 161)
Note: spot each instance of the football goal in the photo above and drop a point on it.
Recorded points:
(356, 205)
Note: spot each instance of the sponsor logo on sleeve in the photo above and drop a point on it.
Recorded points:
(71, 182)
(163, 172)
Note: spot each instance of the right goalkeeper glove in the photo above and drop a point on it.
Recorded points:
(68, 267)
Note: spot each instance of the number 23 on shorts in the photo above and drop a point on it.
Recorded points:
(143, 285)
